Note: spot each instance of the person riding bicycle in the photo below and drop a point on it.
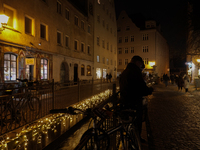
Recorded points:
(133, 88)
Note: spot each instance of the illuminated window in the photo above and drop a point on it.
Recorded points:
(58, 38)
(107, 60)
(43, 31)
(44, 69)
(97, 58)
(88, 70)
(67, 14)
(58, 7)
(82, 70)
(10, 67)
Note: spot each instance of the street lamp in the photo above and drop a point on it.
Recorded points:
(3, 22)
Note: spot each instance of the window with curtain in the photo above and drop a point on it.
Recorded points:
(10, 67)
(44, 69)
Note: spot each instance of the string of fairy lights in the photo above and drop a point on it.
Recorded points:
(35, 131)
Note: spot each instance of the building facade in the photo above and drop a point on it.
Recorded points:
(47, 39)
(105, 39)
(146, 42)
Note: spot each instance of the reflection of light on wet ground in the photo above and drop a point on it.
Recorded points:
(71, 142)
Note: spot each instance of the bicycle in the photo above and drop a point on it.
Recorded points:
(97, 138)
(14, 106)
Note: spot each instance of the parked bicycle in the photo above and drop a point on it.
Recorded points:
(19, 106)
(97, 138)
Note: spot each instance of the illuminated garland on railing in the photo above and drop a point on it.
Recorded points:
(44, 125)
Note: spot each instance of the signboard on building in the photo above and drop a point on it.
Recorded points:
(29, 61)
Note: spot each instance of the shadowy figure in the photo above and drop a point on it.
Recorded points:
(110, 77)
(180, 82)
(165, 79)
(133, 88)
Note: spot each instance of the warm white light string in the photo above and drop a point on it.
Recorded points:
(50, 122)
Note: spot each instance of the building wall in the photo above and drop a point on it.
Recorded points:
(46, 13)
(158, 51)
(106, 30)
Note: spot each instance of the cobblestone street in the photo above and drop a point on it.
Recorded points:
(174, 118)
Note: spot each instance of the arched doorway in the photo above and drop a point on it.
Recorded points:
(64, 72)
(75, 72)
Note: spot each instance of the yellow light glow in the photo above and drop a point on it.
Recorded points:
(152, 63)
(198, 60)
(3, 19)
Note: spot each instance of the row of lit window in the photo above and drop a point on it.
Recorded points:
(10, 67)
(107, 45)
(107, 60)
(88, 73)
(126, 61)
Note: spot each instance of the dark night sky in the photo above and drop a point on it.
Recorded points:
(170, 14)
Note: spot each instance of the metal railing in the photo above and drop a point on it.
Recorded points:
(21, 105)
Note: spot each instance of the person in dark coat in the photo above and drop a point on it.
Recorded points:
(133, 88)
(110, 77)
(180, 82)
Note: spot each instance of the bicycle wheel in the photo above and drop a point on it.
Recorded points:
(31, 109)
(95, 142)
(133, 140)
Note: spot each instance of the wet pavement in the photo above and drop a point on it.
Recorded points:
(174, 121)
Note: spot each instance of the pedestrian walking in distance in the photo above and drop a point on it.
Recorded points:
(186, 82)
